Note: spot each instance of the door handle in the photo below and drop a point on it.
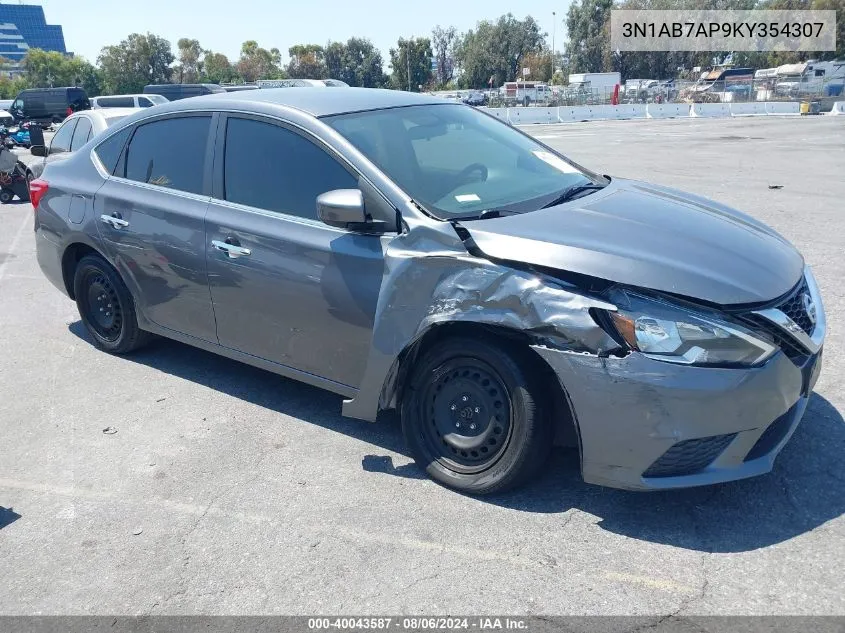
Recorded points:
(232, 250)
(115, 222)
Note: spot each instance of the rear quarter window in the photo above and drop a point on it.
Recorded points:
(109, 151)
(169, 153)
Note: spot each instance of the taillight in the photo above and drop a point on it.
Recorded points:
(37, 189)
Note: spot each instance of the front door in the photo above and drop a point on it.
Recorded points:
(286, 287)
(151, 218)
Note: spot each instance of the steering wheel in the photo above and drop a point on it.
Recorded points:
(464, 174)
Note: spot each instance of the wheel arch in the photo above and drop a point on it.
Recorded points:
(561, 412)
(71, 256)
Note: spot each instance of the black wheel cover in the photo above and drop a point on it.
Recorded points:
(101, 305)
(466, 416)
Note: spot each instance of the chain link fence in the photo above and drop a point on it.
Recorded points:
(677, 91)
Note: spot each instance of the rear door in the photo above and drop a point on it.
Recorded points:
(286, 287)
(151, 217)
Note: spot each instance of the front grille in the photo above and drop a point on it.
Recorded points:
(772, 436)
(689, 457)
(793, 307)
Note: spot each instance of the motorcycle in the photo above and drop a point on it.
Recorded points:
(17, 136)
(13, 177)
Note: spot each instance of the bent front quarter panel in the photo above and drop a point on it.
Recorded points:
(431, 279)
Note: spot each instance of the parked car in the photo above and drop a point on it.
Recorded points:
(175, 92)
(475, 98)
(414, 253)
(47, 106)
(73, 134)
(127, 101)
(5, 104)
(239, 87)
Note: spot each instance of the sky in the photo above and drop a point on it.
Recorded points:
(222, 25)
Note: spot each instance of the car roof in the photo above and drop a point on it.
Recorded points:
(318, 102)
(106, 113)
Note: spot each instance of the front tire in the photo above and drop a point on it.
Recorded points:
(472, 416)
(106, 307)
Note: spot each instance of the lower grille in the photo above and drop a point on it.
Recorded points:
(772, 436)
(689, 457)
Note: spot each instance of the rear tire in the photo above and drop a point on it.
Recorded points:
(106, 307)
(473, 417)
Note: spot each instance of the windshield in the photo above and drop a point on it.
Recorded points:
(157, 99)
(457, 162)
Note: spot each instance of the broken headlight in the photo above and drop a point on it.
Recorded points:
(677, 334)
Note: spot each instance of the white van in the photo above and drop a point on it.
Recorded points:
(127, 101)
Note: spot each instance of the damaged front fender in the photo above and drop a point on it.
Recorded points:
(430, 279)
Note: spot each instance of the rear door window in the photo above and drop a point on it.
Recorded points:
(115, 102)
(143, 102)
(81, 134)
(169, 153)
(270, 167)
(63, 138)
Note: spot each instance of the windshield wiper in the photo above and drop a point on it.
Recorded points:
(483, 215)
(569, 193)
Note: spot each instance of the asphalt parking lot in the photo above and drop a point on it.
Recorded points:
(228, 490)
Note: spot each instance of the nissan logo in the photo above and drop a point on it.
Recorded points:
(809, 307)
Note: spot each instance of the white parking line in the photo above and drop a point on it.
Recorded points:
(26, 220)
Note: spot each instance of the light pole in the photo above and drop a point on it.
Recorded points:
(554, 28)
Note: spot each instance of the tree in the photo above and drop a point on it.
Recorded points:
(443, 42)
(50, 68)
(494, 51)
(357, 62)
(135, 62)
(588, 37)
(412, 55)
(190, 52)
(540, 65)
(259, 63)
(217, 69)
(307, 61)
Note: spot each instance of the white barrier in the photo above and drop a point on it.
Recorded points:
(838, 108)
(529, 114)
(748, 109)
(782, 107)
(667, 110)
(710, 110)
(567, 114)
(585, 113)
(499, 113)
(631, 111)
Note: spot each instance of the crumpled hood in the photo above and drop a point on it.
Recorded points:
(653, 237)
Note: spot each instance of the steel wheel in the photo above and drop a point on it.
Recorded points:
(102, 306)
(469, 415)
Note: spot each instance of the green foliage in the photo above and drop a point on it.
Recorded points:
(495, 50)
(357, 62)
(43, 69)
(443, 42)
(135, 62)
(412, 55)
(259, 63)
(217, 69)
(307, 61)
(188, 69)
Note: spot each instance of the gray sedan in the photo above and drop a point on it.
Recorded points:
(416, 254)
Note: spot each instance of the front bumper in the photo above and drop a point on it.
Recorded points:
(649, 425)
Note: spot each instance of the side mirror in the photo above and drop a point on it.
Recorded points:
(38, 150)
(344, 208)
